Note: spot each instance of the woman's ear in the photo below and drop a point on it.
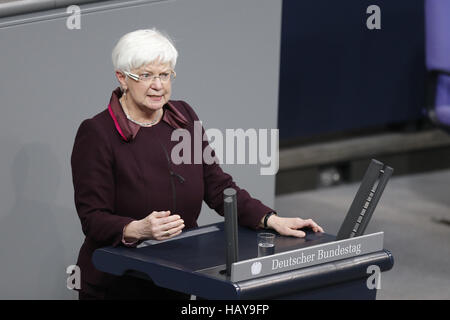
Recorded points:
(122, 80)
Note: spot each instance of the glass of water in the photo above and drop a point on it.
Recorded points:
(266, 244)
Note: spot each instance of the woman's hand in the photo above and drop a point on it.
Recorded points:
(158, 225)
(289, 226)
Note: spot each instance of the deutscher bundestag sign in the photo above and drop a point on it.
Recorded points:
(306, 257)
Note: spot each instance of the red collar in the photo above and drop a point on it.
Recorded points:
(127, 129)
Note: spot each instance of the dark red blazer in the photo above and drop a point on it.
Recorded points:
(123, 172)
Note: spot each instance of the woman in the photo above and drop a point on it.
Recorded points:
(127, 189)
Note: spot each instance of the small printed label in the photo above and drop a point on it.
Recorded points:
(306, 257)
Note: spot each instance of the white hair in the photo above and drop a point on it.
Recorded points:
(142, 47)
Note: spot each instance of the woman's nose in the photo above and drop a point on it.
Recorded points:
(156, 83)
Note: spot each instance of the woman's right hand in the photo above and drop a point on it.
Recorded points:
(158, 225)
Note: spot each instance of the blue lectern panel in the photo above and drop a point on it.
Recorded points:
(193, 264)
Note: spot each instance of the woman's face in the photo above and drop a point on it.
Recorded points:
(150, 94)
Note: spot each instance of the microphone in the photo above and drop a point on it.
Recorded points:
(231, 231)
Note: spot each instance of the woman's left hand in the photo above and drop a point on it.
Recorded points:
(289, 226)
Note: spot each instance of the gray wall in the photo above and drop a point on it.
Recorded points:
(52, 78)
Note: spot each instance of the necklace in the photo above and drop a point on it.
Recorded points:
(142, 124)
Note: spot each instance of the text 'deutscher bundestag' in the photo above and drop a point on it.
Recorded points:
(306, 257)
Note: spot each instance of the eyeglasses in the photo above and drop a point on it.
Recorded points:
(149, 77)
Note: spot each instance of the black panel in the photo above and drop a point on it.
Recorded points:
(338, 75)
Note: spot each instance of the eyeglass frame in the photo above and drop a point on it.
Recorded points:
(137, 77)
